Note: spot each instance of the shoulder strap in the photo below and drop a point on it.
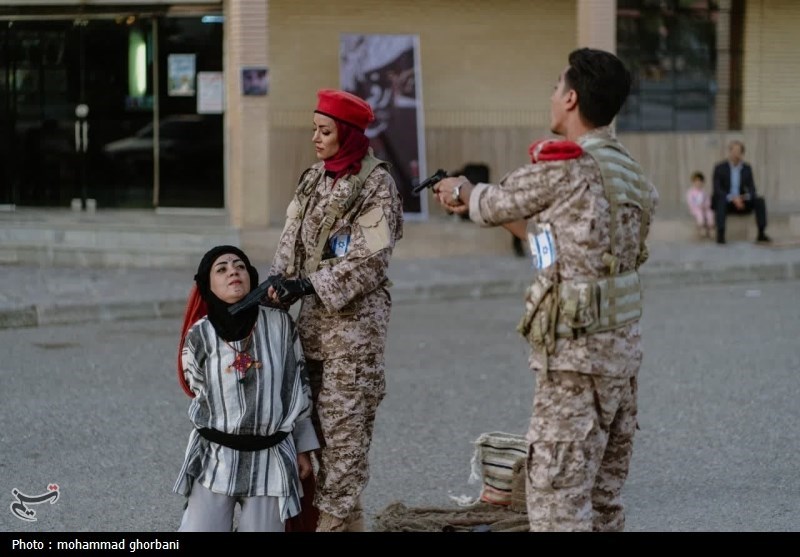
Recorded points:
(305, 187)
(335, 211)
(622, 182)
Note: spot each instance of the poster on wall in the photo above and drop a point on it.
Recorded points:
(384, 70)
(210, 93)
(180, 75)
(255, 81)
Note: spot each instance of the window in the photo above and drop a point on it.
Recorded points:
(683, 76)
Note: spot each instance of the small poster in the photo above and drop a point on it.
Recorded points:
(210, 93)
(180, 75)
(255, 81)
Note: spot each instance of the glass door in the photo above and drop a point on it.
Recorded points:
(54, 153)
(190, 134)
(118, 91)
(79, 98)
(36, 126)
(7, 194)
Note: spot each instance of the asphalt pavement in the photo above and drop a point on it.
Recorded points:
(97, 410)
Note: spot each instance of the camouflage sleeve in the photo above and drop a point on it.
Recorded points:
(375, 228)
(286, 254)
(521, 194)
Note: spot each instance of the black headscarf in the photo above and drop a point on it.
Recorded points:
(229, 327)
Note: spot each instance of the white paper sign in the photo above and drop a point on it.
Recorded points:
(210, 93)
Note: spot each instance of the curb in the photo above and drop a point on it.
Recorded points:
(62, 314)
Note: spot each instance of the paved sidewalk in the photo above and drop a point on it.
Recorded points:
(33, 296)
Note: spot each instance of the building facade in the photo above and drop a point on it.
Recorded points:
(171, 123)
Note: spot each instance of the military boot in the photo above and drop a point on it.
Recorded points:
(329, 523)
(355, 520)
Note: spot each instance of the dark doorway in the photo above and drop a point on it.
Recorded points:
(50, 156)
(52, 67)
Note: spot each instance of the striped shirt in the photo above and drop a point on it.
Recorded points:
(275, 397)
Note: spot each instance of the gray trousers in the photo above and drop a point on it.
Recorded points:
(211, 512)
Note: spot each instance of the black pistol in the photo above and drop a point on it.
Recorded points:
(432, 181)
(254, 297)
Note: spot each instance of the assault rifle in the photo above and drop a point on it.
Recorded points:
(430, 182)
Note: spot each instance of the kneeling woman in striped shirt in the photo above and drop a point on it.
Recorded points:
(250, 408)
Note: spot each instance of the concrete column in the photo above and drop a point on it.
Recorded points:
(723, 98)
(246, 117)
(597, 24)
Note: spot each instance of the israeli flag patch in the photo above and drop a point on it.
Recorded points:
(543, 249)
(339, 244)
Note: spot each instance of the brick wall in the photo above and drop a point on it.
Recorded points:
(771, 63)
(487, 72)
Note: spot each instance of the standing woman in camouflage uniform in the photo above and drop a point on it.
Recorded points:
(585, 207)
(334, 252)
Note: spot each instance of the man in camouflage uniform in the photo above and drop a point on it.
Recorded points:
(334, 253)
(585, 207)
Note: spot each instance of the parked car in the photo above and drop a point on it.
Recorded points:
(188, 139)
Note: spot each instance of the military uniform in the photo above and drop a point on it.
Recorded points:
(588, 218)
(342, 240)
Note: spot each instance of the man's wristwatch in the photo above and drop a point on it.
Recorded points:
(457, 192)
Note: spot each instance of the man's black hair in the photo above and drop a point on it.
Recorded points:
(602, 82)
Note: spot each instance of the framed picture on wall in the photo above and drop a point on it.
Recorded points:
(255, 81)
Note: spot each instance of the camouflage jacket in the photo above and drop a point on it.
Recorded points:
(350, 311)
(569, 195)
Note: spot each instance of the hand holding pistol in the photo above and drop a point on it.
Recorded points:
(430, 182)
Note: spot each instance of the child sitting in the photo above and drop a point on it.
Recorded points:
(699, 203)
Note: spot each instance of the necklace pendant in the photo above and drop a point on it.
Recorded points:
(242, 362)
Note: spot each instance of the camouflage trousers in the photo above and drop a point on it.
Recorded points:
(346, 393)
(580, 445)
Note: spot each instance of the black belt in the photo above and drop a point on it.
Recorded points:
(242, 442)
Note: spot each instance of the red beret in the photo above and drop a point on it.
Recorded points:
(345, 106)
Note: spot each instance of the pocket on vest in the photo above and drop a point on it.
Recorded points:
(375, 229)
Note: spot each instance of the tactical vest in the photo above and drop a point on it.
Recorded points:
(570, 309)
(335, 210)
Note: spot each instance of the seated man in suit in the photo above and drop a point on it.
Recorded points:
(735, 191)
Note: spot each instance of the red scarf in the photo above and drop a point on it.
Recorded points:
(353, 145)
